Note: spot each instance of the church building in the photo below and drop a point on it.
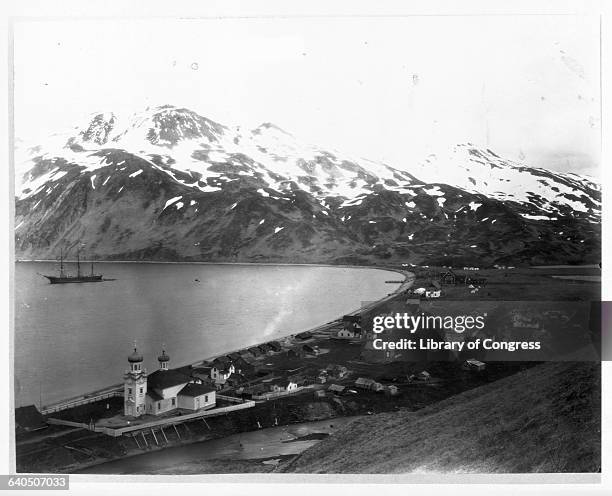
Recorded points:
(164, 390)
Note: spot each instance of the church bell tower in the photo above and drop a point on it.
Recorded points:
(135, 386)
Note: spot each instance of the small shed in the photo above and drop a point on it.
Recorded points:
(309, 350)
(473, 364)
(432, 292)
(295, 353)
(448, 277)
(255, 351)
(336, 388)
(275, 346)
(423, 376)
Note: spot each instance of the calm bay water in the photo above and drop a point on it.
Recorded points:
(74, 338)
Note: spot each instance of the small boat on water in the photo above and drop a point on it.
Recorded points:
(64, 278)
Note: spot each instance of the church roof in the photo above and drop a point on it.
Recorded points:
(163, 379)
(135, 357)
(194, 390)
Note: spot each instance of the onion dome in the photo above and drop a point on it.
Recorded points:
(163, 357)
(135, 357)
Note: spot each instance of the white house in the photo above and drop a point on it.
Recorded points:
(284, 386)
(197, 396)
(347, 333)
(221, 373)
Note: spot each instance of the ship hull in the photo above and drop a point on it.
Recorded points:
(75, 279)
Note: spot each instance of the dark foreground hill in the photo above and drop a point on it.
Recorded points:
(545, 419)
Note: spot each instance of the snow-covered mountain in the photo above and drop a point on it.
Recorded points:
(168, 183)
(536, 191)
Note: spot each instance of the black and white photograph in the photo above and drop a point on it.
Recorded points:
(306, 244)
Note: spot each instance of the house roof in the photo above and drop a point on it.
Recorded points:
(365, 380)
(473, 361)
(202, 370)
(29, 418)
(163, 379)
(193, 390)
(336, 387)
(222, 360)
(225, 369)
(239, 378)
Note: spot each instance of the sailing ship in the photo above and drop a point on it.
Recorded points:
(64, 278)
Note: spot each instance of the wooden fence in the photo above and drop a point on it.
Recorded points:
(155, 423)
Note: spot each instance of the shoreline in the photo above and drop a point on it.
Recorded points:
(409, 278)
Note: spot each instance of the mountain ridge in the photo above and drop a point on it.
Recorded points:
(262, 195)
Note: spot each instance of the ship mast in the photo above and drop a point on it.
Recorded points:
(78, 265)
(61, 263)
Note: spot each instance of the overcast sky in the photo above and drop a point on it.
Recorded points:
(388, 89)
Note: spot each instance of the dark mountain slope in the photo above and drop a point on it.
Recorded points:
(545, 419)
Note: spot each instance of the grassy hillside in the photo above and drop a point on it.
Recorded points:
(545, 419)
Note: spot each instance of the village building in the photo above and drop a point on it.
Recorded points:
(473, 364)
(246, 366)
(369, 384)
(163, 391)
(265, 348)
(295, 353)
(346, 333)
(448, 277)
(202, 373)
(433, 292)
(255, 351)
(275, 346)
(299, 379)
(421, 376)
(337, 371)
(336, 388)
(284, 386)
(236, 380)
(220, 373)
(310, 350)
